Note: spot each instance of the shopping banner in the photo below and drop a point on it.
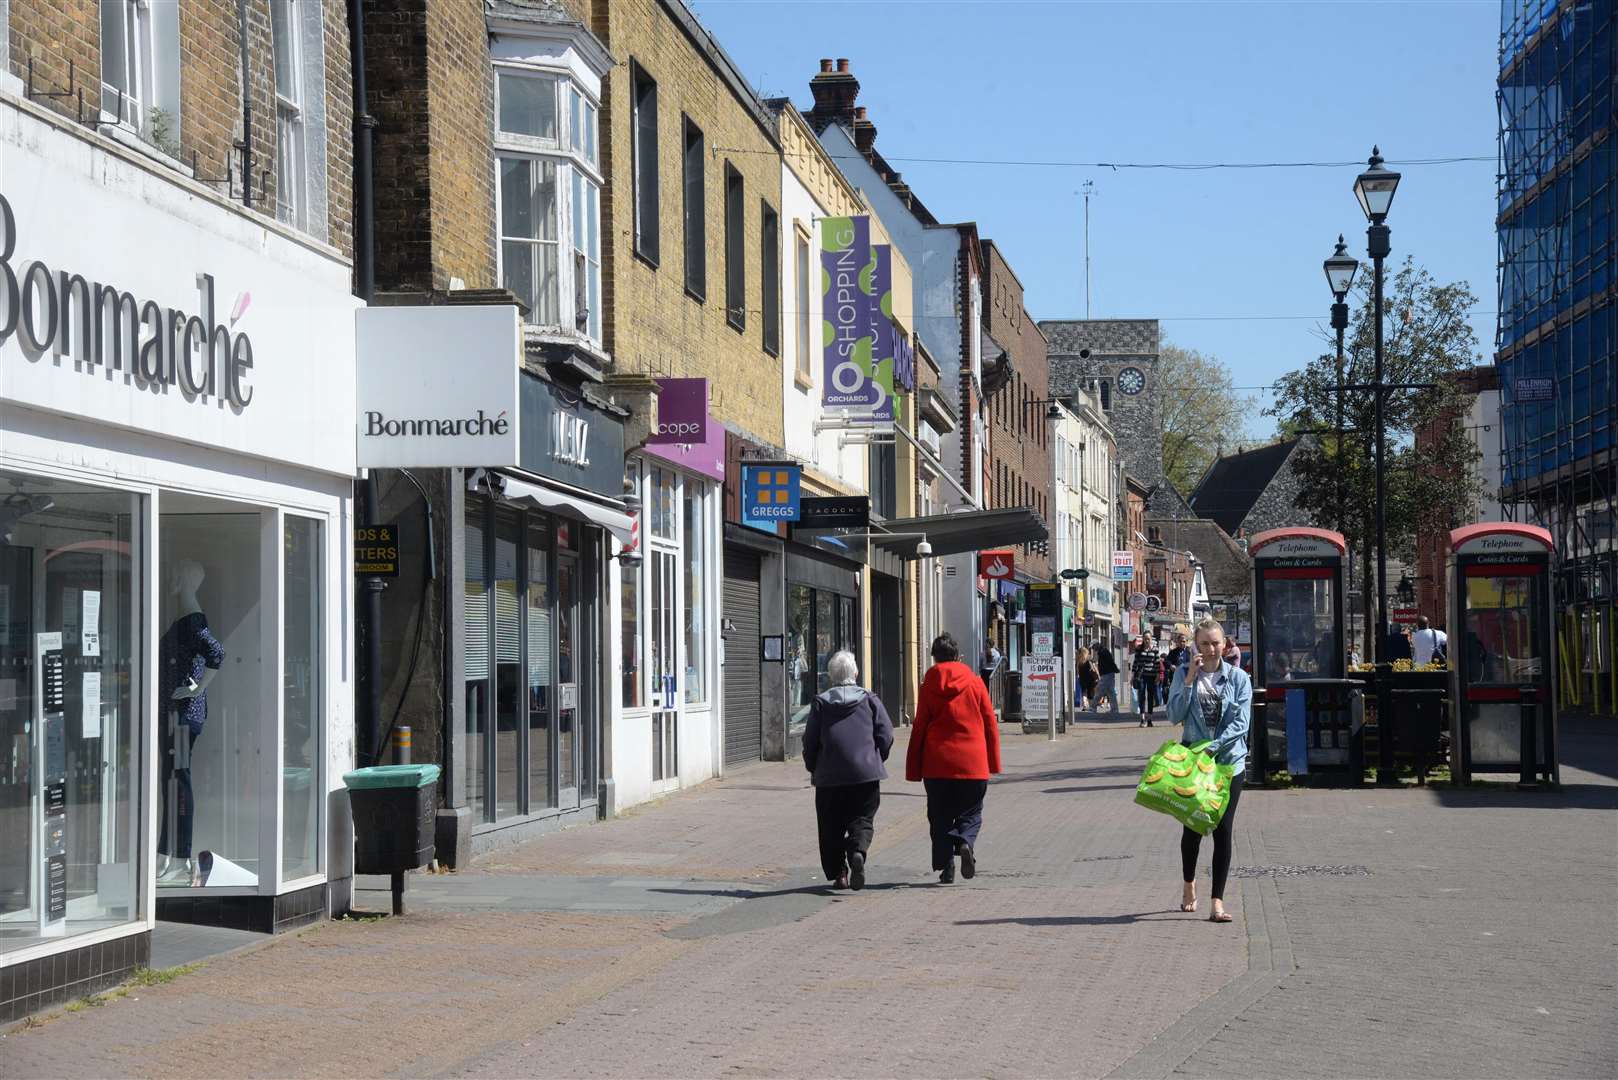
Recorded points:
(847, 271)
(884, 336)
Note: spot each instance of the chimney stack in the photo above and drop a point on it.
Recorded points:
(834, 91)
(864, 132)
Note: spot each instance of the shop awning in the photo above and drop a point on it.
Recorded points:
(546, 497)
(969, 530)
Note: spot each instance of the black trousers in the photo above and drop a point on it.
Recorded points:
(185, 803)
(1191, 841)
(954, 816)
(846, 816)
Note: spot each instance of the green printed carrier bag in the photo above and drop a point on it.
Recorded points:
(1187, 784)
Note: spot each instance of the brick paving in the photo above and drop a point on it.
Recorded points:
(691, 938)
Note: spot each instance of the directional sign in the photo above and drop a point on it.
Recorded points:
(1039, 676)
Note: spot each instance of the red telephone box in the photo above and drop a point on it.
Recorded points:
(1501, 652)
(1297, 605)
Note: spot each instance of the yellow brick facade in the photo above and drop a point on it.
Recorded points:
(653, 326)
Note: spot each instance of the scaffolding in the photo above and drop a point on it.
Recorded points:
(1557, 333)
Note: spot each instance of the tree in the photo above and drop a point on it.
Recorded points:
(1201, 411)
(1427, 340)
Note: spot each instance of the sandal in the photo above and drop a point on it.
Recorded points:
(1188, 905)
(1221, 916)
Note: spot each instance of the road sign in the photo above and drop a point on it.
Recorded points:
(1534, 388)
(1123, 566)
(1153, 603)
(1137, 601)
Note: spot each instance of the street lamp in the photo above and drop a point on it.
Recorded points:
(1340, 269)
(1374, 189)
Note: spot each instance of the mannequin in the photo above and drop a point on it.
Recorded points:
(189, 659)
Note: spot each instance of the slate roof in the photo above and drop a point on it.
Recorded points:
(1118, 337)
(549, 12)
(1165, 501)
(1233, 484)
(1225, 566)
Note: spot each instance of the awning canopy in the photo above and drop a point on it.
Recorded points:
(969, 530)
(608, 517)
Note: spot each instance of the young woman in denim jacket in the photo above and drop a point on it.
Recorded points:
(1213, 699)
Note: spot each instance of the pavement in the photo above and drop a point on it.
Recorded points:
(1379, 932)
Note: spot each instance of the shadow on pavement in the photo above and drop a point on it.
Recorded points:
(1087, 773)
(1074, 920)
(1079, 790)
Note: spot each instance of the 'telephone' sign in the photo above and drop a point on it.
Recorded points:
(770, 493)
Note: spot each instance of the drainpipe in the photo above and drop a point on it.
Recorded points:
(247, 108)
(370, 698)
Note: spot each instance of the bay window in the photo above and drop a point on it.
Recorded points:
(549, 187)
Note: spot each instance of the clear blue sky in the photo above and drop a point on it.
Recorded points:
(1174, 82)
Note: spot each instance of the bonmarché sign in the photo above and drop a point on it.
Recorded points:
(99, 325)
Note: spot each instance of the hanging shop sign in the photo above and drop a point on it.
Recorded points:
(846, 302)
(682, 411)
(770, 493)
(904, 363)
(569, 438)
(415, 407)
(834, 512)
(1123, 566)
(198, 324)
(996, 565)
(376, 550)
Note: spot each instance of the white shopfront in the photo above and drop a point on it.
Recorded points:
(176, 454)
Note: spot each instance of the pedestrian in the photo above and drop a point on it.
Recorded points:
(1233, 653)
(1087, 677)
(1178, 654)
(954, 749)
(1107, 671)
(1144, 669)
(1427, 643)
(844, 745)
(1213, 700)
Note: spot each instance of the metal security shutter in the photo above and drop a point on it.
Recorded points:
(743, 700)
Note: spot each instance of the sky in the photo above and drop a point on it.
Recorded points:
(1228, 259)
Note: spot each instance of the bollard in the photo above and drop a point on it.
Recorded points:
(1386, 772)
(401, 745)
(1528, 753)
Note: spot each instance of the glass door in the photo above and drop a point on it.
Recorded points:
(567, 680)
(664, 661)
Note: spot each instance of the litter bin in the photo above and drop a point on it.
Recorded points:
(393, 808)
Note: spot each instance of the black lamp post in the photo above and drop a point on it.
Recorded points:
(1374, 188)
(1340, 270)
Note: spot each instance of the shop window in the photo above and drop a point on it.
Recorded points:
(694, 167)
(291, 198)
(539, 647)
(71, 779)
(819, 623)
(697, 559)
(549, 187)
(631, 657)
(211, 734)
(302, 697)
(662, 500)
(475, 634)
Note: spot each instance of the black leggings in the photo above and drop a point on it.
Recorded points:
(1191, 841)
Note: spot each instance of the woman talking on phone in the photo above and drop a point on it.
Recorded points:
(1213, 699)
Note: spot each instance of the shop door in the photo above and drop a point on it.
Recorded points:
(567, 680)
(887, 643)
(743, 683)
(665, 667)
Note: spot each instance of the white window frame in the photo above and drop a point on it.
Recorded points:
(291, 135)
(575, 154)
(138, 46)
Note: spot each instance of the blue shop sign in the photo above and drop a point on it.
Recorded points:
(770, 493)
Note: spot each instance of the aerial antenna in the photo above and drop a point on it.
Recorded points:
(1089, 187)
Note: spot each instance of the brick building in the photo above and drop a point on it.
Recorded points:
(176, 479)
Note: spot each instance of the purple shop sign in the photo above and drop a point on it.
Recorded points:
(682, 411)
(846, 301)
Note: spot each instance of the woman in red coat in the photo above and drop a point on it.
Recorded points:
(954, 748)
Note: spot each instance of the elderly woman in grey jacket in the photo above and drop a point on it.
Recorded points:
(847, 740)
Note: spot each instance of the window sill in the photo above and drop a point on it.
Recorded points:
(802, 382)
(699, 297)
(122, 135)
(738, 325)
(775, 352)
(649, 260)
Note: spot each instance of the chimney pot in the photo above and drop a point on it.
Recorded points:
(825, 64)
(859, 112)
(842, 63)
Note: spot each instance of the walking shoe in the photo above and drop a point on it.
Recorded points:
(947, 877)
(969, 863)
(856, 870)
(841, 882)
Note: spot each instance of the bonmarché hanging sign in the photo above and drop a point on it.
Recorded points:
(58, 310)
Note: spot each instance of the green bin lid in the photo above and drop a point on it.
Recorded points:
(392, 776)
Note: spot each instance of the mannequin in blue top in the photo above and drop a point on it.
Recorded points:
(1213, 700)
(189, 657)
